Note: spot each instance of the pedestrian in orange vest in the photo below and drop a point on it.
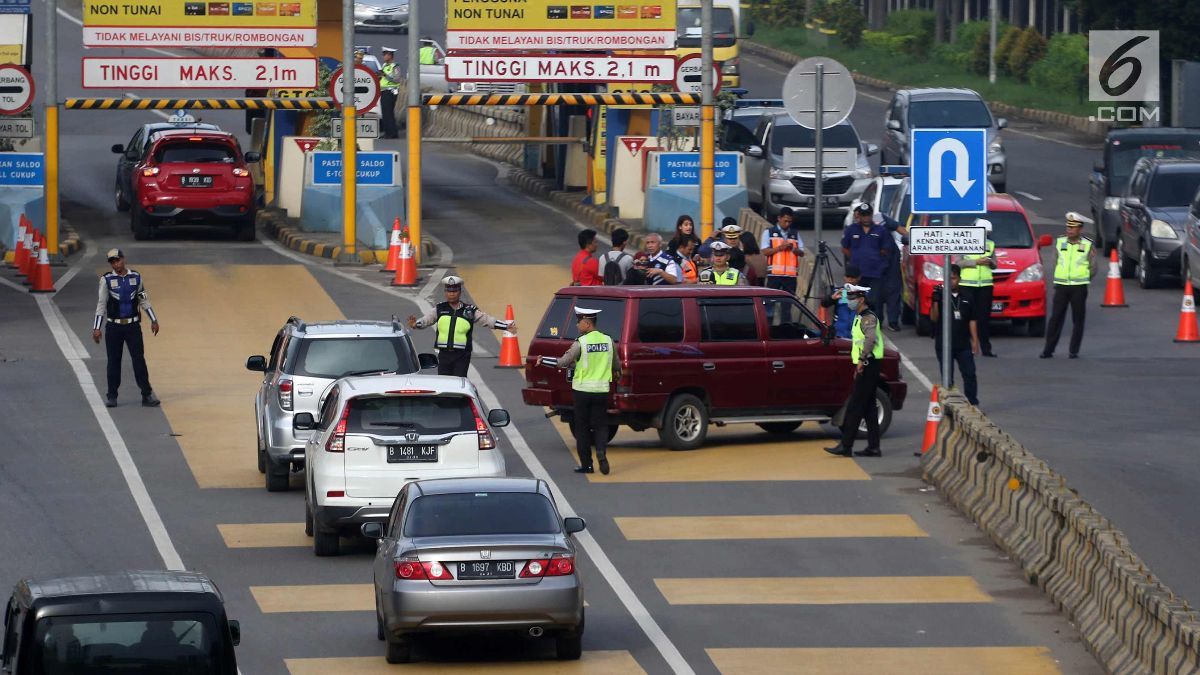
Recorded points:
(784, 247)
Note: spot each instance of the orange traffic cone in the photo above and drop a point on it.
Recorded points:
(932, 418)
(1114, 292)
(406, 265)
(393, 260)
(822, 314)
(26, 269)
(19, 252)
(41, 281)
(510, 349)
(1187, 317)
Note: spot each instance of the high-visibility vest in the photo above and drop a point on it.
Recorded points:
(1074, 266)
(454, 326)
(857, 337)
(689, 270)
(727, 278)
(427, 56)
(593, 370)
(391, 76)
(979, 275)
(785, 262)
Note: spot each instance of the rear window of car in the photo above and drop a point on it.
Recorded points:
(337, 357)
(956, 114)
(422, 414)
(167, 644)
(660, 320)
(559, 321)
(195, 152)
(480, 513)
(1009, 228)
(728, 320)
(554, 323)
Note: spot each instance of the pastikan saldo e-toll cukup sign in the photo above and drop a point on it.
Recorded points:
(535, 25)
(181, 23)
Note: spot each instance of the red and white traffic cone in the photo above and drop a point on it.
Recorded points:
(406, 265)
(932, 418)
(510, 348)
(30, 260)
(19, 252)
(24, 267)
(1187, 317)
(1114, 292)
(393, 260)
(41, 281)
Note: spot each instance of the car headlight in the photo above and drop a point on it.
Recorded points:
(996, 146)
(1034, 272)
(933, 271)
(863, 173)
(1112, 203)
(783, 174)
(1160, 229)
(730, 67)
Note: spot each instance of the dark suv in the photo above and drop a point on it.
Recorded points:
(691, 356)
(1153, 215)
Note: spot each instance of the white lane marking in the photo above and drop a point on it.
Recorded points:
(160, 113)
(910, 366)
(595, 553)
(70, 274)
(120, 451)
(63, 13)
(76, 344)
(13, 285)
(1027, 195)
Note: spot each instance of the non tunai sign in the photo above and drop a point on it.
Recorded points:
(934, 240)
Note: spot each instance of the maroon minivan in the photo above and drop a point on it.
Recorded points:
(698, 355)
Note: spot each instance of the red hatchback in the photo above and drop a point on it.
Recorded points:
(698, 355)
(1019, 294)
(191, 176)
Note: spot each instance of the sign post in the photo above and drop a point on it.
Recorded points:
(349, 142)
(413, 133)
(707, 114)
(51, 120)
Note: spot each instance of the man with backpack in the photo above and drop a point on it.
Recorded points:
(615, 265)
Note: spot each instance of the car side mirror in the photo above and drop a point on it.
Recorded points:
(303, 422)
(1001, 123)
(118, 149)
(1133, 202)
(754, 150)
(235, 632)
(257, 363)
(573, 525)
(872, 149)
(427, 361)
(498, 417)
(893, 125)
(1045, 240)
(371, 530)
(252, 157)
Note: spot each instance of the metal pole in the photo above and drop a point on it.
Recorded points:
(413, 128)
(707, 132)
(819, 150)
(349, 133)
(992, 17)
(947, 315)
(51, 103)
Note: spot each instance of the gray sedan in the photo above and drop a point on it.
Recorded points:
(389, 15)
(476, 554)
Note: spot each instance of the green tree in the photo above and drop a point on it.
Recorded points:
(1030, 47)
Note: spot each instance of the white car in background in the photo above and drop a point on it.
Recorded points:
(376, 433)
(388, 15)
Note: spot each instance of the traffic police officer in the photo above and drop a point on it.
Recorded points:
(595, 370)
(455, 321)
(866, 353)
(721, 273)
(427, 54)
(1072, 273)
(120, 302)
(976, 285)
(389, 84)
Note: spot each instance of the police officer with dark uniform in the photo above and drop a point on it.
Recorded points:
(455, 321)
(866, 353)
(121, 300)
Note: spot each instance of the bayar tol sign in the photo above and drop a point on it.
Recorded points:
(486, 25)
(180, 23)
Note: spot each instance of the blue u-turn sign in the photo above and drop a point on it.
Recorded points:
(949, 170)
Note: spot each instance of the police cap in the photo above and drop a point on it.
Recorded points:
(720, 247)
(452, 283)
(115, 253)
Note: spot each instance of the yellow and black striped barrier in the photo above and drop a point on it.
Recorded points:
(647, 98)
(200, 103)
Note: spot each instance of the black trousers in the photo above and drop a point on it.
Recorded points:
(1065, 296)
(116, 337)
(893, 289)
(966, 365)
(980, 298)
(454, 362)
(591, 426)
(861, 406)
(387, 113)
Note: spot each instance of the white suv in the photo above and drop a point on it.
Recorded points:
(378, 432)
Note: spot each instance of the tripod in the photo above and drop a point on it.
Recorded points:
(822, 273)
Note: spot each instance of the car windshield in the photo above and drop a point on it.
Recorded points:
(1122, 156)
(158, 644)
(1009, 228)
(195, 152)
(480, 513)
(957, 113)
(1173, 188)
(687, 22)
(796, 136)
(427, 415)
(336, 357)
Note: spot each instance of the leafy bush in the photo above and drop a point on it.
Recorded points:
(848, 20)
(1029, 48)
(951, 55)
(1004, 48)
(968, 34)
(780, 14)
(1064, 68)
(884, 41)
(917, 23)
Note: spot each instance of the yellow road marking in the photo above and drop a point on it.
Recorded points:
(529, 291)
(592, 663)
(264, 535)
(315, 598)
(213, 317)
(821, 590)
(769, 527)
(887, 661)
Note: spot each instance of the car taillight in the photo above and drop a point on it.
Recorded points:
(337, 440)
(561, 565)
(241, 172)
(150, 171)
(285, 394)
(486, 440)
(411, 568)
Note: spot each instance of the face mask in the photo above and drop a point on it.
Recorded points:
(854, 303)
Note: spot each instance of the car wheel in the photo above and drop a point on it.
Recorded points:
(308, 519)
(122, 203)
(1037, 327)
(245, 229)
(1128, 265)
(924, 325)
(277, 476)
(326, 542)
(1147, 276)
(883, 410)
(779, 427)
(685, 423)
(142, 230)
(399, 650)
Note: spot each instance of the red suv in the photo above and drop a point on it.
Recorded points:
(691, 356)
(194, 176)
(1019, 294)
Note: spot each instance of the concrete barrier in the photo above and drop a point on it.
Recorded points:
(15, 201)
(376, 207)
(1127, 617)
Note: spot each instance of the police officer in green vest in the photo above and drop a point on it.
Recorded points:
(721, 273)
(428, 53)
(866, 353)
(455, 321)
(389, 85)
(1072, 273)
(596, 368)
(976, 285)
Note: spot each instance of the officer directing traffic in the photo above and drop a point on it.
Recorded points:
(866, 353)
(595, 370)
(121, 300)
(455, 321)
(389, 85)
(1072, 273)
(721, 273)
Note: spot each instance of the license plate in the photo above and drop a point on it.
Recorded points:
(196, 181)
(487, 569)
(997, 306)
(412, 453)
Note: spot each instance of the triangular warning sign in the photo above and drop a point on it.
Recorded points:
(633, 144)
(306, 144)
